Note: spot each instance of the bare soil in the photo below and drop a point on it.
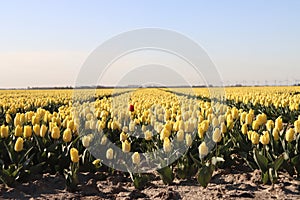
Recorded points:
(225, 184)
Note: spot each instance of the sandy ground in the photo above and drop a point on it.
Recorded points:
(225, 184)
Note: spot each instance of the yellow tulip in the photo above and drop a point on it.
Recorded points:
(148, 135)
(43, 130)
(201, 132)
(270, 125)
(55, 133)
(19, 144)
(70, 124)
(217, 136)
(278, 123)
(74, 155)
(27, 131)
(244, 129)
(188, 140)
(109, 154)
(18, 131)
(205, 125)
(167, 145)
(223, 128)
(17, 120)
(67, 136)
(255, 125)
(249, 119)
(36, 129)
(203, 150)
(103, 140)
(180, 136)
(265, 138)
(290, 135)
(297, 126)
(275, 134)
(8, 118)
(126, 146)
(123, 137)
(136, 159)
(4, 131)
(254, 137)
(164, 133)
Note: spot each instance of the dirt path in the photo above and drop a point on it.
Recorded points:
(226, 184)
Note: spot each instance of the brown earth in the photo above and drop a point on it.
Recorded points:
(225, 184)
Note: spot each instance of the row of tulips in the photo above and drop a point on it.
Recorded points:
(208, 131)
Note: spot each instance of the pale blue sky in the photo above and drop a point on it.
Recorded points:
(44, 43)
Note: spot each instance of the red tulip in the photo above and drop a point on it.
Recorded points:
(131, 108)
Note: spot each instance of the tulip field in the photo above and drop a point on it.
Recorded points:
(51, 131)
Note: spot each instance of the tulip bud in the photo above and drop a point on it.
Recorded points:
(180, 136)
(18, 131)
(203, 150)
(4, 131)
(8, 118)
(205, 125)
(19, 144)
(136, 158)
(254, 137)
(123, 137)
(215, 122)
(265, 138)
(164, 133)
(55, 133)
(290, 135)
(217, 136)
(188, 140)
(270, 125)
(255, 125)
(278, 123)
(86, 141)
(275, 134)
(244, 129)
(126, 146)
(17, 119)
(27, 131)
(243, 117)
(67, 136)
(297, 126)
(167, 145)
(131, 126)
(36, 129)
(223, 128)
(43, 130)
(71, 124)
(249, 119)
(148, 135)
(109, 154)
(200, 132)
(74, 155)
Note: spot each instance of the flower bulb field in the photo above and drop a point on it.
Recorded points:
(143, 137)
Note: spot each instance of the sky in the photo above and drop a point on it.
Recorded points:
(45, 43)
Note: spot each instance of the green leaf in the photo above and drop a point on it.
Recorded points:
(25, 155)
(166, 175)
(205, 174)
(273, 175)
(265, 177)
(278, 162)
(261, 161)
(196, 161)
(140, 182)
(296, 162)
